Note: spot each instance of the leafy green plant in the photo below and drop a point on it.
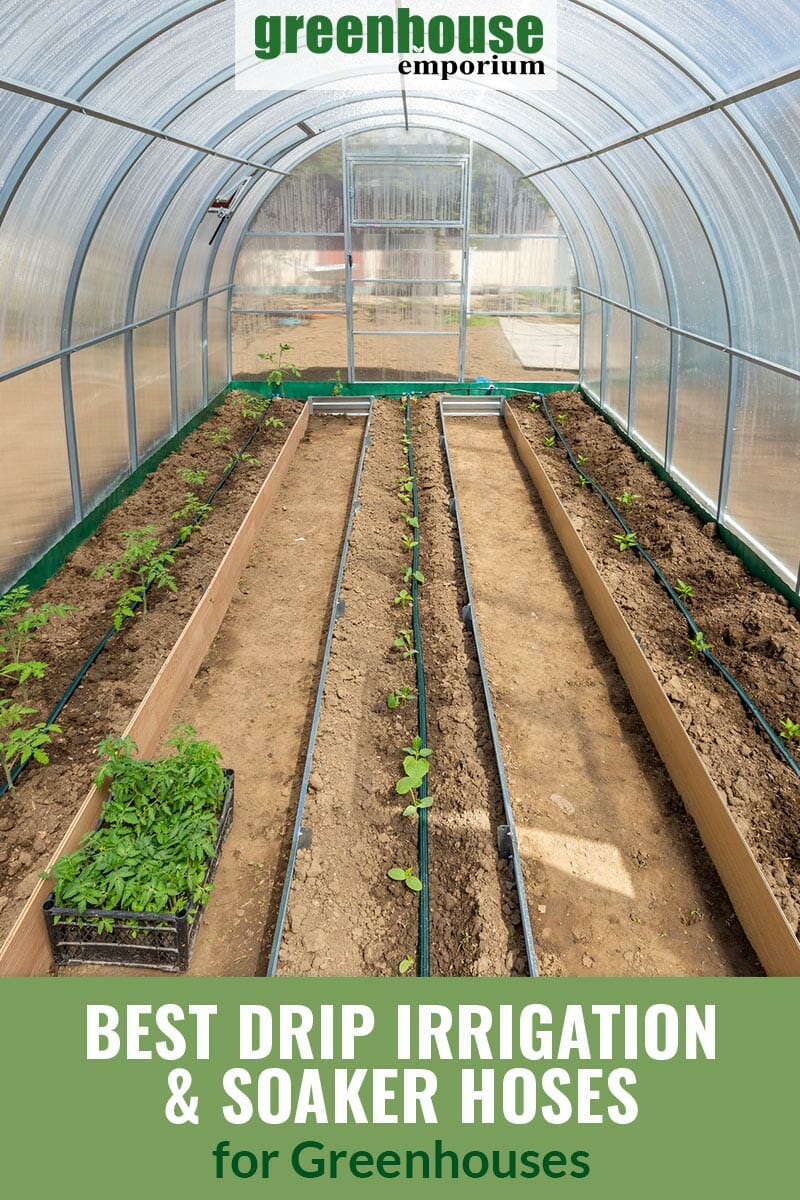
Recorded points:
(562, 419)
(158, 833)
(20, 741)
(409, 574)
(549, 441)
(404, 597)
(415, 767)
(684, 590)
(143, 560)
(253, 407)
(583, 482)
(279, 367)
(192, 478)
(534, 407)
(627, 499)
(417, 428)
(19, 625)
(698, 645)
(244, 459)
(406, 964)
(580, 460)
(406, 875)
(273, 423)
(219, 437)
(412, 521)
(405, 642)
(790, 730)
(338, 385)
(625, 541)
(398, 697)
(409, 542)
(193, 512)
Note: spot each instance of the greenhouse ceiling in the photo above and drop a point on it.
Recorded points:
(668, 152)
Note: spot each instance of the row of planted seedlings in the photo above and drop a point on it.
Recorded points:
(357, 884)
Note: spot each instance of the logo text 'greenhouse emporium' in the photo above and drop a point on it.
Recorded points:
(279, 48)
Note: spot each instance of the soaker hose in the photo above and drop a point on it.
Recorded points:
(746, 700)
(422, 715)
(72, 687)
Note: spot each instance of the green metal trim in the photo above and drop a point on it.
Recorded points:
(302, 389)
(55, 557)
(754, 563)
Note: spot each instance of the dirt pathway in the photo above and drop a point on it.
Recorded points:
(618, 881)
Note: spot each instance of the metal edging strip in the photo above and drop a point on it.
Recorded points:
(471, 619)
(277, 937)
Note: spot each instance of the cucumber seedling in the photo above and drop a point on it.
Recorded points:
(412, 521)
(405, 642)
(625, 541)
(562, 419)
(698, 645)
(406, 964)
(143, 560)
(415, 767)
(409, 574)
(398, 697)
(580, 460)
(409, 542)
(534, 407)
(20, 741)
(406, 875)
(403, 597)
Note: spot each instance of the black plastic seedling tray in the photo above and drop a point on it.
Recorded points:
(160, 941)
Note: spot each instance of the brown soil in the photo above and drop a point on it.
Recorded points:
(345, 916)
(36, 816)
(618, 882)
(751, 629)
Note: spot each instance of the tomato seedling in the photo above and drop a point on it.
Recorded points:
(192, 513)
(279, 367)
(19, 741)
(19, 624)
(142, 559)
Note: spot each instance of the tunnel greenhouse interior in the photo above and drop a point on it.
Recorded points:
(626, 241)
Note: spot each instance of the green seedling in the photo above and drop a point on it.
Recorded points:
(218, 437)
(337, 384)
(273, 423)
(192, 513)
(417, 802)
(396, 698)
(254, 407)
(562, 419)
(534, 407)
(412, 521)
(684, 590)
(550, 441)
(19, 624)
(279, 367)
(408, 575)
(143, 560)
(19, 741)
(627, 499)
(583, 482)
(625, 541)
(405, 876)
(244, 459)
(417, 428)
(405, 642)
(404, 597)
(790, 730)
(403, 403)
(406, 964)
(409, 542)
(580, 460)
(192, 478)
(698, 645)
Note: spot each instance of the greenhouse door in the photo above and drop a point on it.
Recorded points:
(406, 253)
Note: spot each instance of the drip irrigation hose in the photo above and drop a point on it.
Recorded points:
(422, 716)
(746, 700)
(72, 687)
(337, 611)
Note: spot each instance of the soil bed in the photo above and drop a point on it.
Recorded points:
(36, 815)
(750, 627)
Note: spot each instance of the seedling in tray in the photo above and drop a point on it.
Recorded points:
(405, 642)
(406, 876)
(20, 742)
(143, 560)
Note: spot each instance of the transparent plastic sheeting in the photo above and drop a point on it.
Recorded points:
(695, 227)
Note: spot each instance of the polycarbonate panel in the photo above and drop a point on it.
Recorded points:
(42, 229)
(735, 43)
(516, 274)
(407, 191)
(591, 367)
(217, 344)
(27, 33)
(700, 408)
(428, 141)
(101, 418)
(20, 119)
(680, 238)
(624, 68)
(383, 357)
(613, 280)
(618, 362)
(651, 400)
(763, 478)
(502, 202)
(189, 361)
(35, 492)
(754, 234)
(311, 200)
(319, 345)
(776, 116)
(103, 292)
(424, 253)
(151, 377)
(407, 306)
(291, 272)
